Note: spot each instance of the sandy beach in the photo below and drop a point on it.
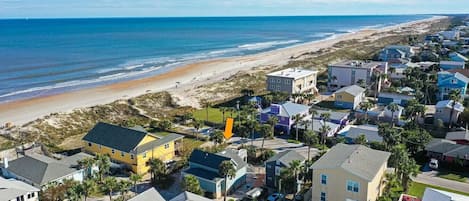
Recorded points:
(177, 81)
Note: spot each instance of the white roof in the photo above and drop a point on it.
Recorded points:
(149, 195)
(293, 73)
(370, 132)
(10, 189)
(431, 194)
(448, 104)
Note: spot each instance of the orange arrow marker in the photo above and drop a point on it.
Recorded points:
(228, 128)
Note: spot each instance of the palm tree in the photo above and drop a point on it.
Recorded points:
(393, 107)
(266, 132)
(361, 139)
(191, 184)
(326, 116)
(454, 96)
(75, 192)
(310, 139)
(104, 164)
(110, 185)
(124, 187)
(272, 121)
(295, 167)
(366, 106)
(223, 110)
(252, 125)
(297, 118)
(197, 124)
(309, 97)
(86, 164)
(228, 171)
(88, 187)
(217, 137)
(313, 112)
(268, 99)
(361, 83)
(389, 134)
(157, 169)
(206, 104)
(135, 178)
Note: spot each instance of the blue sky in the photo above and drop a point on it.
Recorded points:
(171, 8)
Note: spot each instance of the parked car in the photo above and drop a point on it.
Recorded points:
(254, 193)
(433, 163)
(276, 197)
(207, 131)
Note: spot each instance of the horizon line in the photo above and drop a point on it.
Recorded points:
(233, 16)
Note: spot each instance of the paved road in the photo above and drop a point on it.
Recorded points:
(431, 179)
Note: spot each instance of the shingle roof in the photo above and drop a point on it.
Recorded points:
(72, 161)
(395, 96)
(359, 160)
(354, 90)
(334, 115)
(207, 159)
(156, 143)
(116, 137)
(233, 154)
(431, 194)
(39, 169)
(457, 135)
(464, 72)
(199, 172)
(286, 157)
(11, 189)
(293, 109)
(188, 196)
(370, 132)
(461, 152)
(149, 195)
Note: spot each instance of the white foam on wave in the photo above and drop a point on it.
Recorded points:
(322, 34)
(265, 45)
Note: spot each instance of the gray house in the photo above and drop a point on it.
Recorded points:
(443, 111)
(276, 163)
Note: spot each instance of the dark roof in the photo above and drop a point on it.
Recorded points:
(116, 137)
(199, 172)
(156, 143)
(286, 157)
(464, 72)
(207, 159)
(233, 154)
(39, 169)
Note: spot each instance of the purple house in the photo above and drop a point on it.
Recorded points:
(285, 113)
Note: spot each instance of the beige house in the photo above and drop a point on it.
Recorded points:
(349, 173)
(293, 80)
(350, 72)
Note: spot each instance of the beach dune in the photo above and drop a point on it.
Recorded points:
(180, 79)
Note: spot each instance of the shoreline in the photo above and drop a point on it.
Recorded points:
(189, 76)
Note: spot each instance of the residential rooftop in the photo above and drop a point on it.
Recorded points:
(10, 189)
(354, 90)
(358, 64)
(294, 73)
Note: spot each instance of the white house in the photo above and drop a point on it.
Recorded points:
(13, 190)
(432, 194)
(450, 35)
(443, 111)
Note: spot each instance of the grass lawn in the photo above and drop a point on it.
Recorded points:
(417, 189)
(191, 144)
(451, 176)
(161, 133)
(214, 115)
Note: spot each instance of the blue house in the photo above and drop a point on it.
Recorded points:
(285, 113)
(448, 65)
(451, 81)
(385, 98)
(454, 56)
(205, 167)
(274, 166)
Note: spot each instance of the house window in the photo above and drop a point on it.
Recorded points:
(353, 186)
(339, 97)
(131, 156)
(112, 151)
(453, 81)
(144, 154)
(323, 196)
(166, 146)
(122, 154)
(324, 179)
(89, 144)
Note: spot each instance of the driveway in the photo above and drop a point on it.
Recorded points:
(276, 144)
(431, 178)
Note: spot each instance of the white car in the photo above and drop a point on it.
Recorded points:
(433, 163)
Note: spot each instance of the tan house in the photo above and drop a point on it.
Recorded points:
(293, 80)
(349, 173)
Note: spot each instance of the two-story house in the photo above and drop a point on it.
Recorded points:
(131, 147)
(205, 167)
(351, 72)
(293, 81)
(395, 52)
(274, 165)
(349, 97)
(285, 113)
(349, 173)
(448, 81)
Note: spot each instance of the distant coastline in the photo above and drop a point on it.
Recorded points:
(186, 77)
(44, 74)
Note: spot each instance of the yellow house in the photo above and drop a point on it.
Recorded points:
(131, 147)
(349, 97)
(349, 173)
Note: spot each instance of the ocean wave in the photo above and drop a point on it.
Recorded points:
(322, 34)
(265, 45)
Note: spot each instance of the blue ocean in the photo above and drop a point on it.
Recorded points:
(47, 56)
